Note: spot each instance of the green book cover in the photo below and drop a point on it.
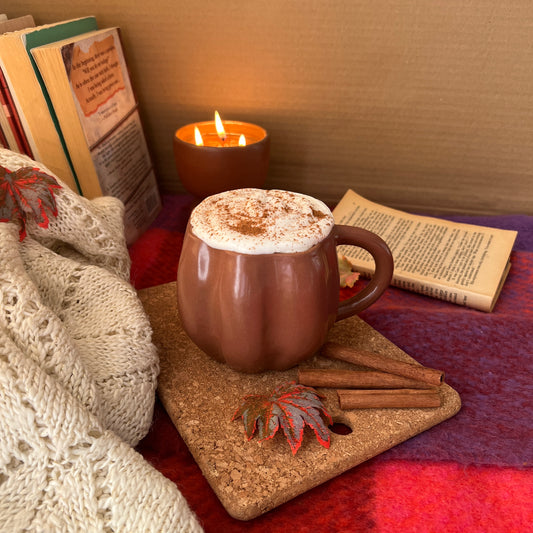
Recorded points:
(52, 34)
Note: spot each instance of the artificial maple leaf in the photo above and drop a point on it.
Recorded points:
(290, 406)
(347, 276)
(27, 192)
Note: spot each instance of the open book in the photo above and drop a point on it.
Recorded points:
(460, 263)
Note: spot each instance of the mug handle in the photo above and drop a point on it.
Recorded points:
(383, 273)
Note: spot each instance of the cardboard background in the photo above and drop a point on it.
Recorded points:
(425, 106)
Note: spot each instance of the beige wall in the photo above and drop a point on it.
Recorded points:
(418, 105)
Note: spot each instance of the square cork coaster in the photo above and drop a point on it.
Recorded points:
(252, 477)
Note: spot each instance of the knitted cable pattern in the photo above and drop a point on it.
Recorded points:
(60, 471)
(78, 373)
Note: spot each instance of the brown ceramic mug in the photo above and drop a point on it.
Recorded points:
(259, 294)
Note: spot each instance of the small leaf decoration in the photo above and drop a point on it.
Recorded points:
(290, 406)
(348, 277)
(27, 193)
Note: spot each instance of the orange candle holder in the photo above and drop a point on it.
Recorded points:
(220, 164)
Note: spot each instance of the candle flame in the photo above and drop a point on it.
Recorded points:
(220, 128)
(242, 140)
(198, 137)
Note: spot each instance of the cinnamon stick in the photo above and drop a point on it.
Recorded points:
(355, 379)
(431, 376)
(391, 398)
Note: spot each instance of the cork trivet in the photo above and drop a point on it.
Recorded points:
(249, 477)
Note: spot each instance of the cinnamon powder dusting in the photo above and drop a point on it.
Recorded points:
(247, 228)
(318, 214)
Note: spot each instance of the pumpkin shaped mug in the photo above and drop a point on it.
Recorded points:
(258, 279)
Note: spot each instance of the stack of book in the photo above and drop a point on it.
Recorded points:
(67, 101)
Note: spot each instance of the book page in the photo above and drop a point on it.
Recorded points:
(141, 208)
(446, 260)
(99, 79)
(122, 159)
(125, 171)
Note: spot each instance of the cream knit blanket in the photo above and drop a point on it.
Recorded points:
(78, 374)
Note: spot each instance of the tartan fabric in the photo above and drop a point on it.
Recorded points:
(471, 473)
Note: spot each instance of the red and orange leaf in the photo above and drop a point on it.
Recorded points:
(348, 277)
(27, 193)
(291, 406)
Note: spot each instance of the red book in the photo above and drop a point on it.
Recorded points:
(13, 119)
(3, 140)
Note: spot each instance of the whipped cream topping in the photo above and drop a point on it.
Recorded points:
(257, 221)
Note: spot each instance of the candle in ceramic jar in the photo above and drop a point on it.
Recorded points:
(220, 155)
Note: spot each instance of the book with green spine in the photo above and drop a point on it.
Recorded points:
(29, 93)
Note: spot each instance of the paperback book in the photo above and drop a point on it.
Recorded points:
(29, 94)
(88, 82)
(460, 263)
